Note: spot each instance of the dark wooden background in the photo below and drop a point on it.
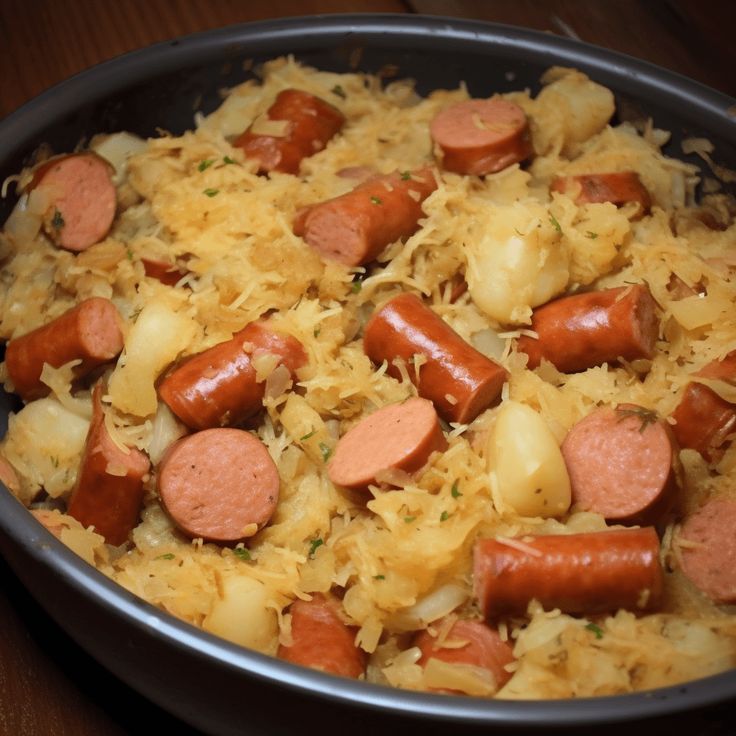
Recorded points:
(48, 687)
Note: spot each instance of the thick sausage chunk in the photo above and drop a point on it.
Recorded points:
(355, 227)
(460, 381)
(711, 562)
(109, 490)
(585, 330)
(617, 188)
(308, 123)
(621, 464)
(578, 573)
(481, 136)
(396, 437)
(81, 199)
(321, 640)
(90, 332)
(218, 386)
(166, 273)
(471, 643)
(704, 420)
(219, 484)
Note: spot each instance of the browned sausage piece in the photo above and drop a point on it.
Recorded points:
(109, 489)
(621, 464)
(396, 437)
(482, 647)
(219, 484)
(481, 136)
(579, 573)
(585, 330)
(166, 273)
(711, 563)
(218, 386)
(308, 124)
(90, 332)
(82, 199)
(355, 227)
(617, 188)
(460, 381)
(704, 420)
(321, 640)
(8, 476)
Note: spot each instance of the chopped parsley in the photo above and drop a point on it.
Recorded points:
(314, 544)
(228, 160)
(409, 519)
(211, 192)
(597, 630)
(55, 461)
(129, 253)
(205, 164)
(590, 234)
(379, 577)
(647, 416)
(326, 451)
(317, 330)
(405, 175)
(57, 221)
(444, 516)
(357, 284)
(242, 554)
(167, 556)
(454, 490)
(339, 91)
(555, 224)
(376, 200)
(308, 435)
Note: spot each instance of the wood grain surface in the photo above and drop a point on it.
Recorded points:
(47, 685)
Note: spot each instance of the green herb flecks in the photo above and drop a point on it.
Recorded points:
(405, 175)
(454, 490)
(409, 519)
(339, 91)
(211, 192)
(590, 234)
(647, 416)
(357, 284)
(57, 221)
(242, 554)
(203, 165)
(555, 224)
(376, 200)
(326, 451)
(316, 331)
(308, 435)
(444, 516)
(228, 160)
(597, 630)
(314, 544)
(379, 577)
(129, 253)
(167, 556)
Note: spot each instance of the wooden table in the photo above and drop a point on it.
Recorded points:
(47, 685)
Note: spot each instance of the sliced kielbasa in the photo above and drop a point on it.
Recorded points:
(165, 272)
(109, 490)
(309, 123)
(621, 464)
(585, 330)
(355, 227)
(219, 484)
(618, 188)
(218, 387)
(396, 437)
(90, 332)
(81, 199)
(578, 573)
(321, 640)
(711, 562)
(460, 381)
(481, 136)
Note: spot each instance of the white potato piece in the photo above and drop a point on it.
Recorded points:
(519, 263)
(45, 444)
(242, 615)
(155, 340)
(117, 149)
(529, 470)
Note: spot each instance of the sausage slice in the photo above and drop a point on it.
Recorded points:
(621, 464)
(711, 564)
(321, 640)
(218, 386)
(309, 123)
(585, 330)
(109, 489)
(163, 271)
(481, 136)
(460, 381)
(396, 437)
(618, 188)
(219, 484)
(90, 332)
(482, 647)
(82, 199)
(579, 573)
(355, 227)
